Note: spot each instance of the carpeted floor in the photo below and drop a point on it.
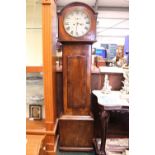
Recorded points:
(114, 146)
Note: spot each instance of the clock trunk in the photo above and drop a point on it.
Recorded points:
(76, 78)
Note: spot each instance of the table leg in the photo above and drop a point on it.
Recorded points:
(104, 118)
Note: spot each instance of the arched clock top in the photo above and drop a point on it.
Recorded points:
(75, 4)
(77, 23)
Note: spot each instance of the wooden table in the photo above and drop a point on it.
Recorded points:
(105, 103)
(34, 144)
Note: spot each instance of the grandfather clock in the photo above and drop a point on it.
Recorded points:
(76, 32)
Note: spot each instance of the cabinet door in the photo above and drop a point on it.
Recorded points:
(76, 81)
(76, 74)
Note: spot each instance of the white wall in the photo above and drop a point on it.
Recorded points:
(33, 33)
(34, 47)
(112, 27)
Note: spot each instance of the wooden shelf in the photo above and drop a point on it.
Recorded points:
(35, 126)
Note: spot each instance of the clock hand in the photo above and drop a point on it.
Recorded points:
(76, 26)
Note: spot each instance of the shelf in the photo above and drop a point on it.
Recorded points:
(35, 126)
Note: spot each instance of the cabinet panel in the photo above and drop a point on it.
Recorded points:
(76, 90)
(76, 79)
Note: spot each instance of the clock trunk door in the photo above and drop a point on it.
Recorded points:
(76, 74)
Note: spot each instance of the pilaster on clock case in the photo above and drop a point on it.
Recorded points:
(77, 23)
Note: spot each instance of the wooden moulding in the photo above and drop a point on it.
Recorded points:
(76, 117)
(32, 69)
(76, 133)
(46, 2)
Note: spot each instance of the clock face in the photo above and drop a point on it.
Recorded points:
(77, 23)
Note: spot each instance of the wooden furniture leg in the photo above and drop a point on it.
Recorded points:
(104, 118)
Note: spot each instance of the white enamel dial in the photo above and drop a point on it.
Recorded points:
(77, 23)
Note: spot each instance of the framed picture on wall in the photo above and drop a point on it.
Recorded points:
(35, 111)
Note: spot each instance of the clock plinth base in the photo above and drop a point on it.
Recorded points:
(76, 133)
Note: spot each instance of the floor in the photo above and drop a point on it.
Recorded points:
(75, 153)
(114, 146)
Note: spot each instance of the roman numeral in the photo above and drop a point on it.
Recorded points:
(86, 17)
(72, 32)
(77, 12)
(68, 28)
(86, 28)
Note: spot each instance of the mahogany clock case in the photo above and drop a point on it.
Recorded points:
(90, 36)
(76, 52)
